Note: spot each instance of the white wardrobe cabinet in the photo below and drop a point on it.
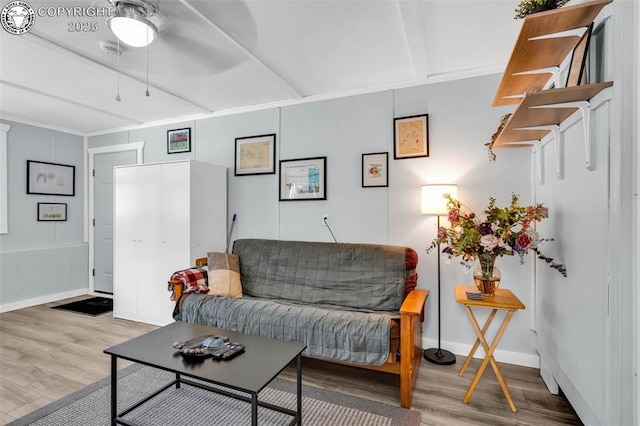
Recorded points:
(165, 216)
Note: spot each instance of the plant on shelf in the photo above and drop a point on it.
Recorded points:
(503, 122)
(503, 231)
(527, 7)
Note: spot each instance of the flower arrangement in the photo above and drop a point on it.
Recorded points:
(527, 7)
(503, 231)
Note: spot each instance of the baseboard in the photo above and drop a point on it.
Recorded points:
(547, 377)
(460, 349)
(7, 307)
(139, 318)
(579, 404)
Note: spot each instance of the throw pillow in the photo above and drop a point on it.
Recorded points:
(224, 274)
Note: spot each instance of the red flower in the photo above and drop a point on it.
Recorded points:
(453, 216)
(524, 241)
(442, 232)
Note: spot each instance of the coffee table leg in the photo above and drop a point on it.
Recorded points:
(177, 380)
(254, 409)
(114, 389)
(299, 387)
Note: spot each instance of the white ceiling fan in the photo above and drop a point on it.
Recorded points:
(136, 23)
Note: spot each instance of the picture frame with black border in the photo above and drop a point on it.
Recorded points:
(375, 170)
(51, 178)
(179, 140)
(577, 73)
(411, 136)
(52, 212)
(255, 155)
(303, 179)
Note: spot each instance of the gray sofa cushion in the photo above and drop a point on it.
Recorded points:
(367, 276)
(333, 333)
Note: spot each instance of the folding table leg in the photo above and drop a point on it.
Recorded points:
(489, 349)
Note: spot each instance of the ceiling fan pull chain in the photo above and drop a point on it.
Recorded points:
(147, 92)
(118, 72)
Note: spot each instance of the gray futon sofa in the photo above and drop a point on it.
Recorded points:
(349, 303)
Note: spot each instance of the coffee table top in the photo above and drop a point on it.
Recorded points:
(251, 371)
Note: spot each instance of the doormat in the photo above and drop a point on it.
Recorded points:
(94, 306)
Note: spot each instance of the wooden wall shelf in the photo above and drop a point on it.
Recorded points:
(541, 109)
(544, 42)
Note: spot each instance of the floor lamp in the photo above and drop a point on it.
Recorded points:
(434, 203)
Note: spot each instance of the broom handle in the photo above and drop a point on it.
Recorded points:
(233, 222)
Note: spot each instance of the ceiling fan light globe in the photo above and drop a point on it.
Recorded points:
(133, 31)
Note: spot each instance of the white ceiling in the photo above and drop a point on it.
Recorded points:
(213, 57)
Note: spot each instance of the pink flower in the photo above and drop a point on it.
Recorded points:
(489, 242)
(442, 232)
(453, 216)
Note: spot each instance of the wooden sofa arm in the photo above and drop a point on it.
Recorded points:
(176, 287)
(411, 318)
(414, 303)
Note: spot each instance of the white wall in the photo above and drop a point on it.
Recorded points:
(41, 261)
(461, 120)
(587, 329)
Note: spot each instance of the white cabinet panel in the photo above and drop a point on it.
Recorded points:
(157, 233)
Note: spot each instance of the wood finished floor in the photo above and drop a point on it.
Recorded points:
(46, 354)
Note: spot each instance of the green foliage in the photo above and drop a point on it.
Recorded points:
(503, 231)
(527, 7)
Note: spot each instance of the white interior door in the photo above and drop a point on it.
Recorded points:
(103, 216)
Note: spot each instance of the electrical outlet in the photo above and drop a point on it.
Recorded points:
(325, 220)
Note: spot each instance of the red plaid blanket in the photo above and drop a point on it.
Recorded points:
(195, 279)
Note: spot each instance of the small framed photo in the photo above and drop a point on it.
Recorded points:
(303, 179)
(577, 74)
(50, 178)
(179, 140)
(411, 137)
(52, 212)
(255, 155)
(375, 168)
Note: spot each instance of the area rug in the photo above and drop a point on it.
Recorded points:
(94, 306)
(190, 405)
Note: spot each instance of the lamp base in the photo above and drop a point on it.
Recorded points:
(439, 356)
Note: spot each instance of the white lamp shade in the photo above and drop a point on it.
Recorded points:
(134, 32)
(433, 201)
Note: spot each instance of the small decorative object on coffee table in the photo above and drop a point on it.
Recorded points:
(202, 347)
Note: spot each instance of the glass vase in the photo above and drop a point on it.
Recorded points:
(486, 275)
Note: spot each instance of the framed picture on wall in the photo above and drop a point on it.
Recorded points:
(375, 168)
(577, 74)
(50, 178)
(303, 179)
(179, 140)
(52, 212)
(255, 155)
(411, 137)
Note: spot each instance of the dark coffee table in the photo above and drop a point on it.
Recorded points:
(248, 373)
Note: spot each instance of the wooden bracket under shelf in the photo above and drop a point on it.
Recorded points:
(545, 41)
(543, 112)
